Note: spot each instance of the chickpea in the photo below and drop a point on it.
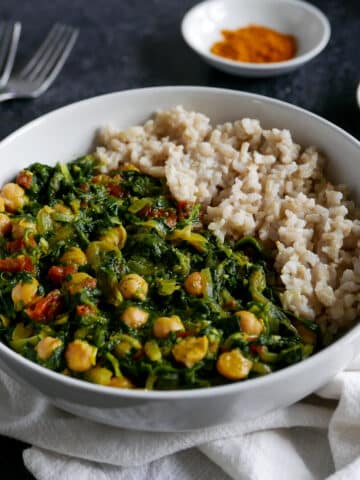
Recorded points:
(79, 281)
(99, 375)
(121, 382)
(47, 346)
(233, 365)
(23, 293)
(14, 197)
(5, 224)
(194, 285)
(163, 326)
(134, 317)
(80, 356)
(116, 236)
(249, 323)
(190, 350)
(74, 255)
(133, 286)
(2, 204)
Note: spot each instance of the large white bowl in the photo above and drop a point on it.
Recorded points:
(68, 133)
(202, 25)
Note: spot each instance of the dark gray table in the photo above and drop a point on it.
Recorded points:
(137, 43)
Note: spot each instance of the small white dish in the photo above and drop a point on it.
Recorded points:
(202, 26)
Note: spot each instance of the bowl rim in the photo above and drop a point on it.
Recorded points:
(293, 62)
(199, 393)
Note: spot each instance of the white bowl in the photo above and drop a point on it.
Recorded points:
(201, 27)
(68, 133)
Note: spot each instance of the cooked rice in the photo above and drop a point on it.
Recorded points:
(257, 182)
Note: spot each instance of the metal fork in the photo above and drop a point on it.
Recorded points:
(42, 69)
(9, 39)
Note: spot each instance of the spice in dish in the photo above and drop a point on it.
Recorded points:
(255, 44)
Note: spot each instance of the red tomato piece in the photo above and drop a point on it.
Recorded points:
(83, 310)
(187, 333)
(24, 179)
(183, 209)
(58, 274)
(20, 244)
(45, 308)
(21, 263)
(115, 190)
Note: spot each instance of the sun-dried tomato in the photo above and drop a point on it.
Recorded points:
(183, 210)
(187, 333)
(58, 274)
(115, 190)
(45, 308)
(21, 263)
(83, 310)
(171, 219)
(168, 214)
(20, 244)
(24, 179)
(254, 348)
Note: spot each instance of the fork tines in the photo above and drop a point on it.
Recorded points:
(51, 55)
(9, 39)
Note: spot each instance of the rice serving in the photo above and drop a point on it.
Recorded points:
(252, 181)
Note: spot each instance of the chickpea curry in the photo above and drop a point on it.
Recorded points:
(107, 278)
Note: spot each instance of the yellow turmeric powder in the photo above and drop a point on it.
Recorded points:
(255, 44)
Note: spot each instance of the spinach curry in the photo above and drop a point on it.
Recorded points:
(107, 278)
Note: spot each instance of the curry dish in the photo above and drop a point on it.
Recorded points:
(107, 278)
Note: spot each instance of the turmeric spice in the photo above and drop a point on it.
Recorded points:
(255, 44)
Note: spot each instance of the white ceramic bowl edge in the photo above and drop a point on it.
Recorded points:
(68, 133)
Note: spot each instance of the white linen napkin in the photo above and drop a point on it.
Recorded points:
(316, 439)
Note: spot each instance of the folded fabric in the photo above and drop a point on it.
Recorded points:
(317, 438)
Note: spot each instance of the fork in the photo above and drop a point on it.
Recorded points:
(43, 68)
(9, 39)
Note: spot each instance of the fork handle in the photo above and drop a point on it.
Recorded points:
(6, 96)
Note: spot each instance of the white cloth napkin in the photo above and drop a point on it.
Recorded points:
(316, 439)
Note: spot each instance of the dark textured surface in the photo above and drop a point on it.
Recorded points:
(126, 44)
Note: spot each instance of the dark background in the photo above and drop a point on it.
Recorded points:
(137, 43)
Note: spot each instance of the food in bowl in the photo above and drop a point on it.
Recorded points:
(178, 255)
(255, 44)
